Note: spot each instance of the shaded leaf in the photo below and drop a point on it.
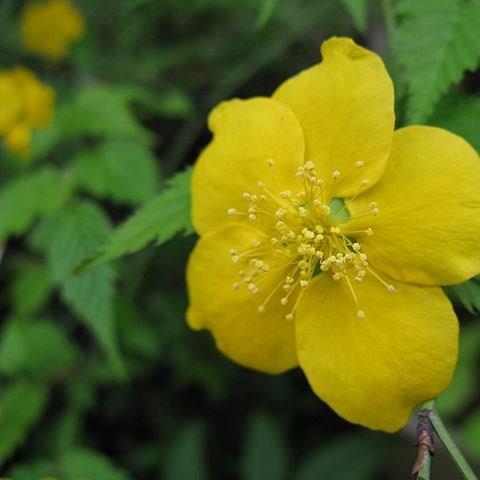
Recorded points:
(437, 40)
(36, 348)
(22, 405)
(158, 221)
(466, 294)
(186, 460)
(463, 388)
(349, 457)
(358, 9)
(31, 287)
(267, 8)
(265, 452)
(460, 115)
(80, 464)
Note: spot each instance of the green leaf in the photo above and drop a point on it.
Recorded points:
(265, 452)
(83, 464)
(186, 460)
(123, 171)
(38, 348)
(266, 11)
(26, 198)
(35, 470)
(466, 294)
(358, 9)
(101, 111)
(67, 238)
(158, 221)
(462, 390)
(437, 41)
(460, 115)
(170, 102)
(22, 405)
(349, 457)
(31, 287)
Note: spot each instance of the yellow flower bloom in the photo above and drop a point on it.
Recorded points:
(287, 274)
(49, 27)
(25, 104)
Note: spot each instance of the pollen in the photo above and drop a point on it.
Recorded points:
(303, 239)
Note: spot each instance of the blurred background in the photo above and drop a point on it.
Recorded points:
(103, 109)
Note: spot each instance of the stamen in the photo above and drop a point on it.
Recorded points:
(360, 314)
(359, 164)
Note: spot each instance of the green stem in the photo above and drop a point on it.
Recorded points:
(447, 440)
(424, 472)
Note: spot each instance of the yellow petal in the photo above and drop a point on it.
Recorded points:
(263, 341)
(428, 225)
(345, 107)
(374, 370)
(253, 140)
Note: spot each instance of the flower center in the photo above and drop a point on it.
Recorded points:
(306, 238)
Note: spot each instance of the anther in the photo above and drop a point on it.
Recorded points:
(391, 288)
(285, 194)
(284, 301)
(336, 174)
(364, 182)
(304, 283)
(369, 232)
(252, 217)
(271, 162)
(289, 317)
(232, 211)
(260, 184)
(360, 314)
(246, 196)
(261, 308)
(236, 286)
(359, 164)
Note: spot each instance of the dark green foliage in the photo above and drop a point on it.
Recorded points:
(100, 377)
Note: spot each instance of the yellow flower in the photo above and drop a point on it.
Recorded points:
(25, 104)
(288, 274)
(49, 27)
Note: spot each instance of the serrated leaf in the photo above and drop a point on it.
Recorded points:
(82, 463)
(39, 349)
(70, 236)
(158, 221)
(186, 459)
(460, 115)
(121, 170)
(466, 294)
(265, 452)
(26, 198)
(358, 9)
(437, 41)
(22, 405)
(349, 457)
(463, 387)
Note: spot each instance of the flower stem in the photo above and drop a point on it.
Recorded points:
(424, 472)
(447, 440)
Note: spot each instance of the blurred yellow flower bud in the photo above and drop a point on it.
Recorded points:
(25, 104)
(49, 27)
(18, 140)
